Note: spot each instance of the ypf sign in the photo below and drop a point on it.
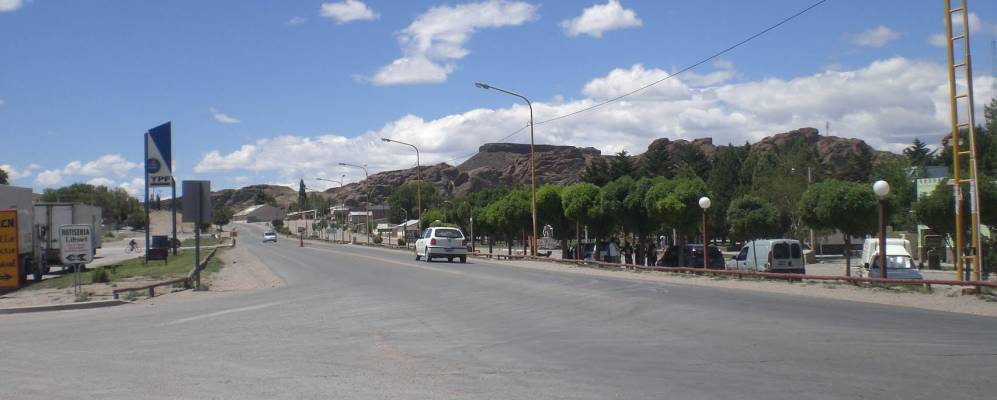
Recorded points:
(159, 155)
(76, 244)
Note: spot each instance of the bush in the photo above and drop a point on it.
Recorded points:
(100, 275)
(401, 241)
(378, 239)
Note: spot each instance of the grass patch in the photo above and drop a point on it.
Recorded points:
(205, 241)
(83, 296)
(178, 266)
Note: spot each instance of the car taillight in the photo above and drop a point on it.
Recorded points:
(433, 241)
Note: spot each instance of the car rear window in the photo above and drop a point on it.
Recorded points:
(796, 251)
(780, 250)
(449, 233)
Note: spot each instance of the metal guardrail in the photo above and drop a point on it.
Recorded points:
(152, 287)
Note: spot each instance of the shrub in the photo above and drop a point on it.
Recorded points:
(378, 239)
(100, 275)
(401, 241)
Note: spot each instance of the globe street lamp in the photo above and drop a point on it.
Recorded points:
(533, 170)
(704, 203)
(882, 189)
(418, 189)
(366, 206)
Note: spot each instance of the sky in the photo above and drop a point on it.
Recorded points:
(277, 91)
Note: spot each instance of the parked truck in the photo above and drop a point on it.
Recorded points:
(50, 216)
(899, 263)
(19, 198)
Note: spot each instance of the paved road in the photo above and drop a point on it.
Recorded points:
(374, 324)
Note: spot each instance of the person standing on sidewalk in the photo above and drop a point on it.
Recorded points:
(628, 252)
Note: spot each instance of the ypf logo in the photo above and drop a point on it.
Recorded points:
(152, 166)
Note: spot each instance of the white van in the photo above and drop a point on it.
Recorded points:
(899, 263)
(771, 255)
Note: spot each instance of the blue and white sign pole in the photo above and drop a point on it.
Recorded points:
(158, 172)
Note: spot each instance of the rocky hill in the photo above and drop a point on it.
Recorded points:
(507, 164)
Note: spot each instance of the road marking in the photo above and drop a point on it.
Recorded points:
(223, 312)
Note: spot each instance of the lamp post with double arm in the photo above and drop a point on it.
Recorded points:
(533, 171)
(418, 188)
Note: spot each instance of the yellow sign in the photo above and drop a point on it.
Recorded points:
(9, 273)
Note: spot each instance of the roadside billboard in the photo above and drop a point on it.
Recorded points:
(10, 276)
(159, 155)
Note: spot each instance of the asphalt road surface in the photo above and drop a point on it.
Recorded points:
(375, 324)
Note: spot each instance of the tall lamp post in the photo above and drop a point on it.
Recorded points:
(446, 211)
(366, 206)
(533, 164)
(704, 203)
(418, 189)
(882, 189)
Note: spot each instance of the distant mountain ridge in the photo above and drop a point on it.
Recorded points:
(507, 165)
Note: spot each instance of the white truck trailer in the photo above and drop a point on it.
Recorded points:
(19, 198)
(50, 216)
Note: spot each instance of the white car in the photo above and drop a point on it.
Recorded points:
(441, 242)
(269, 236)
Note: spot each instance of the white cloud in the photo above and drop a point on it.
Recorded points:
(15, 174)
(436, 38)
(135, 187)
(222, 117)
(599, 19)
(49, 178)
(294, 21)
(976, 25)
(10, 5)
(886, 103)
(348, 11)
(101, 182)
(874, 37)
(111, 164)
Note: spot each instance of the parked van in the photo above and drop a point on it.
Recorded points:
(899, 263)
(771, 255)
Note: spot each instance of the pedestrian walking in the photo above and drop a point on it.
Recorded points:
(614, 251)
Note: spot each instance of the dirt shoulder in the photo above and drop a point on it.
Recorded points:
(242, 271)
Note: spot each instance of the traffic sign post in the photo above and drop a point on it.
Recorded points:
(10, 275)
(76, 248)
(197, 209)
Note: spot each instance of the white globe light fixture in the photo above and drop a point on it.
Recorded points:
(881, 188)
(704, 202)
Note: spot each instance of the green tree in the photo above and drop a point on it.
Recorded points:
(302, 194)
(693, 156)
(614, 205)
(550, 211)
(510, 215)
(221, 216)
(752, 218)
(858, 164)
(430, 216)
(919, 154)
(596, 172)
(263, 198)
(724, 185)
(849, 207)
(897, 172)
(3, 177)
(622, 165)
(582, 204)
(657, 161)
(404, 197)
(675, 202)
(936, 210)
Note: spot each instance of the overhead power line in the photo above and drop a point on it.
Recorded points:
(679, 72)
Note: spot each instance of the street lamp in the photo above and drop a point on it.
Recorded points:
(446, 211)
(704, 203)
(418, 188)
(533, 171)
(366, 206)
(882, 189)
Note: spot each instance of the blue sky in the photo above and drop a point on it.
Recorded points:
(274, 91)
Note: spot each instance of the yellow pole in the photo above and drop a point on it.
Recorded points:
(953, 107)
(974, 192)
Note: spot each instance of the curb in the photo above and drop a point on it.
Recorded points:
(61, 307)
